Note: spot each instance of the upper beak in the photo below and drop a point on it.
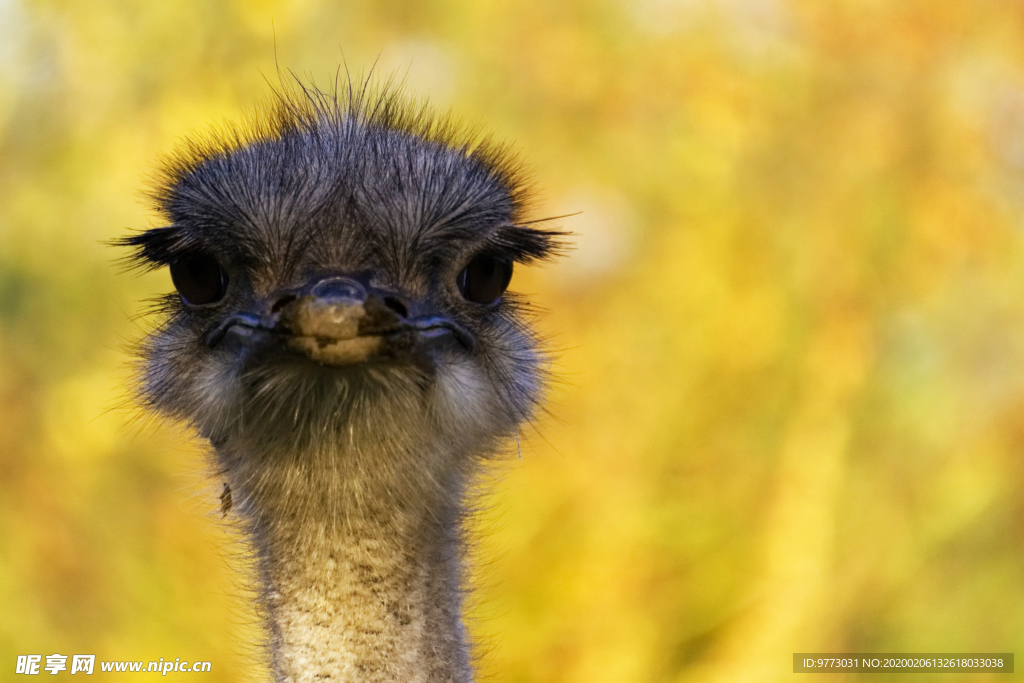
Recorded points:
(339, 320)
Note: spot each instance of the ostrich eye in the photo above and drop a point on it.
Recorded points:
(199, 279)
(484, 280)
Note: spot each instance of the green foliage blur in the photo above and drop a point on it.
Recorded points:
(790, 407)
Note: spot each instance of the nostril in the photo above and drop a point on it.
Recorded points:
(282, 302)
(396, 305)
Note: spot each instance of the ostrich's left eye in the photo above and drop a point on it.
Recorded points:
(485, 279)
(199, 279)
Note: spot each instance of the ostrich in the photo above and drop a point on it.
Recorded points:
(342, 336)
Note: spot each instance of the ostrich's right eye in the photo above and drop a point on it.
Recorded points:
(199, 279)
(485, 279)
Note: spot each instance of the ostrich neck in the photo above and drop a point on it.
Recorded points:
(360, 576)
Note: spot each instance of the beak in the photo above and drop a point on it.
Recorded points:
(340, 320)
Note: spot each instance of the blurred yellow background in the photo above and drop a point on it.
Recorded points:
(791, 337)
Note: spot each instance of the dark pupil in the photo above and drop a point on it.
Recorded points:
(485, 278)
(199, 279)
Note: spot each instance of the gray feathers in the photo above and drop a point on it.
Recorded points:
(350, 479)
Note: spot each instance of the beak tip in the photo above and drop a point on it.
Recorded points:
(330, 317)
(337, 352)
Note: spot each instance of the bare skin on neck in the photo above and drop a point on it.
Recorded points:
(361, 589)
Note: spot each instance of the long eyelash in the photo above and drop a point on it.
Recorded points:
(528, 245)
(153, 248)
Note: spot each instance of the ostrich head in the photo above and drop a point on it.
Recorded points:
(342, 334)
